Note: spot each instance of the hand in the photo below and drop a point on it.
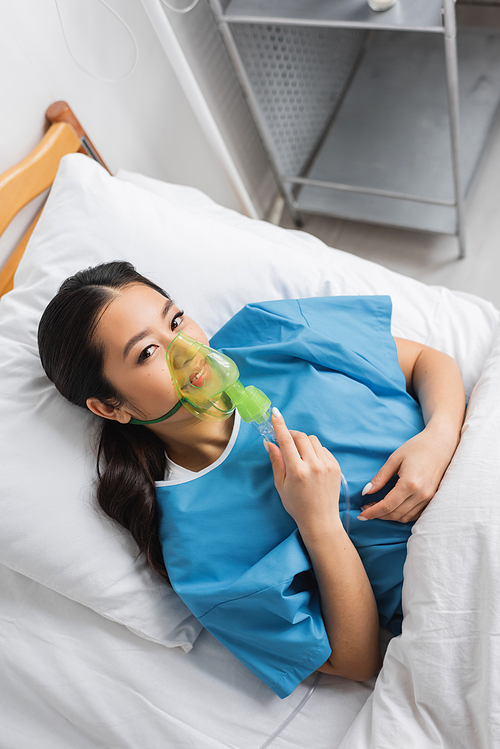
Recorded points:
(420, 464)
(307, 478)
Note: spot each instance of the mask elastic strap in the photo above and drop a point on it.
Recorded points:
(162, 418)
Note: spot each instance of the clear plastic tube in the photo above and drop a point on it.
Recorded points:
(266, 429)
(344, 495)
(293, 714)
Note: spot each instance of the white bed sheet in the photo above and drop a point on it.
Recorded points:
(71, 677)
(440, 684)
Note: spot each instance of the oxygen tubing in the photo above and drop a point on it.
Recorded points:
(293, 714)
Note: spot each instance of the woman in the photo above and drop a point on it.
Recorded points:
(280, 583)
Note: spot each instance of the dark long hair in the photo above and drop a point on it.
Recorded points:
(130, 458)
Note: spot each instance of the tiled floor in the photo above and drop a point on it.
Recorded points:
(432, 258)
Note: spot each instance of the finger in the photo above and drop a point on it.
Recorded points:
(391, 505)
(277, 462)
(285, 440)
(323, 453)
(406, 512)
(303, 445)
(414, 513)
(390, 467)
(318, 448)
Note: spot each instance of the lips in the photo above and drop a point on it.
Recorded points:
(198, 378)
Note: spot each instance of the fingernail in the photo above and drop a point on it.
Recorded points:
(276, 413)
(363, 519)
(365, 490)
(266, 445)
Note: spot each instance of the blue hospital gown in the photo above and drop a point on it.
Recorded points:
(233, 553)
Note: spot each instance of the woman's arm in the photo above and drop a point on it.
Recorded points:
(434, 379)
(307, 478)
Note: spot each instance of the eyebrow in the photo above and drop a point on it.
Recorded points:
(135, 339)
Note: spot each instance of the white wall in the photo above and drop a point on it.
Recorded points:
(143, 123)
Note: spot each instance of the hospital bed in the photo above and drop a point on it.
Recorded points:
(96, 652)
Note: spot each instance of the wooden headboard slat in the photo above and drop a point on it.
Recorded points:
(60, 111)
(10, 267)
(34, 174)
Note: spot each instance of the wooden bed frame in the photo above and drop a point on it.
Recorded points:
(36, 173)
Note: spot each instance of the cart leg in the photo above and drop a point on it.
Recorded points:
(291, 204)
(297, 218)
(450, 48)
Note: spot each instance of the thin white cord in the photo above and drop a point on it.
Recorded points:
(183, 10)
(295, 712)
(130, 33)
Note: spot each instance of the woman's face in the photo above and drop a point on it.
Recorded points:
(136, 329)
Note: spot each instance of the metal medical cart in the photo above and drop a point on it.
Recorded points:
(377, 117)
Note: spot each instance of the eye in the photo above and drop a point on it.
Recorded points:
(146, 353)
(177, 319)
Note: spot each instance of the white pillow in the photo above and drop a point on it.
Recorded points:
(460, 324)
(212, 261)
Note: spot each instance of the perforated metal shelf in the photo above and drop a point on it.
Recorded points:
(297, 77)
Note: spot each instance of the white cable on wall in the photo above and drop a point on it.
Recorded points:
(131, 34)
(128, 30)
(181, 10)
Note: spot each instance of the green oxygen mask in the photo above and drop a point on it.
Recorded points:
(207, 385)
